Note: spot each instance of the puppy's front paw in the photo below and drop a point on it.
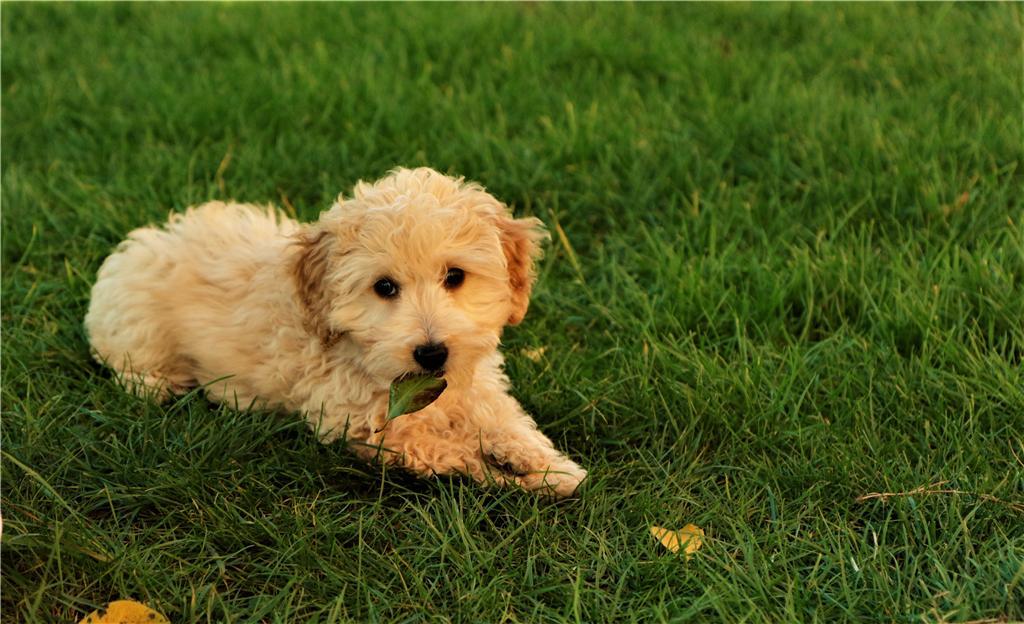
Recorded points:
(557, 480)
(557, 477)
(537, 470)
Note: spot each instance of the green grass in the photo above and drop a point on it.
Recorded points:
(792, 274)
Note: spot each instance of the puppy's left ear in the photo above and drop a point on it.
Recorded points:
(520, 240)
(310, 270)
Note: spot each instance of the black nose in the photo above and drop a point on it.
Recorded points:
(431, 356)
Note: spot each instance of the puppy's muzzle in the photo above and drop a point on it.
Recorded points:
(431, 356)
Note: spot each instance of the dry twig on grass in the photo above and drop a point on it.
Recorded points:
(937, 488)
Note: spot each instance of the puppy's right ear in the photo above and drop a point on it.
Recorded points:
(310, 272)
(520, 241)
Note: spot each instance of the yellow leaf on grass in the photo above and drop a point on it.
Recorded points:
(534, 355)
(126, 612)
(690, 538)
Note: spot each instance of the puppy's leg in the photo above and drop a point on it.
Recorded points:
(428, 444)
(511, 441)
(158, 385)
(129, 322)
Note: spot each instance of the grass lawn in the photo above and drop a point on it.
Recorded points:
(787, 273)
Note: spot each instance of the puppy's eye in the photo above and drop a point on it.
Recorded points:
(454, 278)
(386, 288)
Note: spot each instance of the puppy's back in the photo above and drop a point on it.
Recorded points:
(162, 283)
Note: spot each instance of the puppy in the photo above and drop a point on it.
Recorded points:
(418, 272)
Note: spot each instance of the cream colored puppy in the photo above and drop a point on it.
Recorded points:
(418, 272)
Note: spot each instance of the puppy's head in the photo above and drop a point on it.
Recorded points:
(419, 271)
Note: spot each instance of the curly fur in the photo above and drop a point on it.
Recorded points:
(262, 310)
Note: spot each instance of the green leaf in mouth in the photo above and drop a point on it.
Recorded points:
(411, 393)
